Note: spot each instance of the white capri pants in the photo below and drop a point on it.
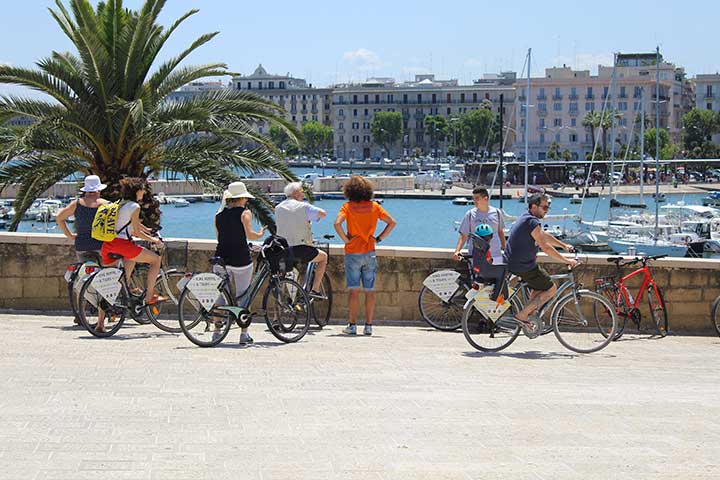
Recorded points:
(240, 277)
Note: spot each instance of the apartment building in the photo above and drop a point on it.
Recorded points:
(354, 105)
(707, 95)
(301, 101)
(561, 99)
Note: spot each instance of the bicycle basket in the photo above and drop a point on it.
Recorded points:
(175, 254)
(275, 250)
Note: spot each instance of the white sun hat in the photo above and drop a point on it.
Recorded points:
(234, 190)
(93, 184)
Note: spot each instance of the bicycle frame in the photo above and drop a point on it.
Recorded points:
(624, 293)
(262, 272)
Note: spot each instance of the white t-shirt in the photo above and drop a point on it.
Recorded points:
(124, 216)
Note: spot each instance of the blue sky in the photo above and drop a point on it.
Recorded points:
(328, 42)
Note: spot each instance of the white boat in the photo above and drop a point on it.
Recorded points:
(461, 201)
(648, 246)
(180, 203)
(48, 210)
(575, 199)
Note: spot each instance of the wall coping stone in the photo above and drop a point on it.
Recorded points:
(382, 251)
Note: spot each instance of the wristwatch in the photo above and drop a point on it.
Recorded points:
(378, 239)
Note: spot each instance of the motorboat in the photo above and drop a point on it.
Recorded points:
(712, 200)
(647, 246)
(575, 199)
(180, 203)
(462, 201)
(48, 210)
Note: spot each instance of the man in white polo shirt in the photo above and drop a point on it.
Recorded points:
(293, 217)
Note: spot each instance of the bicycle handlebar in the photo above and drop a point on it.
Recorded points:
(644, 260)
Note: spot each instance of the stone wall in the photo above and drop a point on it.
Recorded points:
(32, 267)
(384, 184)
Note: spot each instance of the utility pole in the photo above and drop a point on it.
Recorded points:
(501, 149)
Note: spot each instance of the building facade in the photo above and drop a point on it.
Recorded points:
(707, 95)
(354, 105)
(561, 99)
(301, 101)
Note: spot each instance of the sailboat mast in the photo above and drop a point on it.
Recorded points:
(612, 124)
(527, 125)
(642, 142)
(657, 138)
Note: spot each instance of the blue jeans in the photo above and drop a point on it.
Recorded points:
(360, 267)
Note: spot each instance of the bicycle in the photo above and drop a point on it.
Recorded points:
(442, 298)
(715, 315)
(208, 308)
(571, 317)
(108, 288)
(321, 308)
(626, 307)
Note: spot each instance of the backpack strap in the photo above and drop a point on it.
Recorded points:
(122, 204)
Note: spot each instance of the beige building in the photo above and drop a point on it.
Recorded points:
(354, 105)
(301, 101)
(707, 94)
(561, 99)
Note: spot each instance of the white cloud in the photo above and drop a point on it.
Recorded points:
(363, 59)
(585, 61)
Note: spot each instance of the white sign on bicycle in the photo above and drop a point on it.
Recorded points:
(107, 283)
(442, 283)
(204, 287)
(494, 309)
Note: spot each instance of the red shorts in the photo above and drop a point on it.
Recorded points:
(119, 246)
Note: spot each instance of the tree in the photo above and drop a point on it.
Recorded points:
(566, 155)
(316, 138)
(476, 127)
(603, 121)
(553, 152)
(436, 127)
(455, 133)
(386, 129)
(664, 143)
(109, 113)
(699, 125)
(280, 137)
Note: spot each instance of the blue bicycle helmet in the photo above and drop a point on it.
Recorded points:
(483, 230)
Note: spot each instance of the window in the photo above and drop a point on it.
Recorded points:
(487, 96)
(522, 122)
(573, 138)
(589, 106)
(419, 98)
(366, 138)
(557, 93)
(259, 85)
(367, 112)
(636, 106)
(557, 107)
(542, 155)
(355, 125)
(462, 98)
(605, 92)
(448, 110)
(366, 125)
(637, 93)
(341, 126)
(271, 85)
(475, 97)
(377, 98)
(542, 138)
(340, 99)
(541, 95)
(589, 93)
(354, 99)
(709, 106)
(434, 98)
(622, 122)
(282, 85)
(573, 93)
(573, 107)
(622, 92)
(573, 122)
(418, 138)
(558, 139)
(341, 112)
(390, 98)
(405, 99)
(542, 123)
(448, 98)
(542, 107)
(354, 112)
(622, 106)
(365, 99)
(557, 122)
(249, 86)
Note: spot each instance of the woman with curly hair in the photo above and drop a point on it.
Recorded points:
(361, 215)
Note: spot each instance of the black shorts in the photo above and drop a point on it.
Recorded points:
(537, 279)
(304, 253)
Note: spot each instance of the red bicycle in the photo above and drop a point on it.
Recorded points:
(626, 307)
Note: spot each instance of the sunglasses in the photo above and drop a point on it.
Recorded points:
(544, 207)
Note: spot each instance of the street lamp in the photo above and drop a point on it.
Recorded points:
(352, 158)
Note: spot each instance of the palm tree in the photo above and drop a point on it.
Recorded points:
(109, 114)
(603, 121)
(590, 121)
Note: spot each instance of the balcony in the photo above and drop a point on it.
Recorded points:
(622, 95)
(557, 97)
(542, 113)
(541, 97)
(709, 95)
(573, 97)
(522, 98)
(589, 96)
(574, 113)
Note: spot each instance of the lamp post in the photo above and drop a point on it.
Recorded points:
(352, 159)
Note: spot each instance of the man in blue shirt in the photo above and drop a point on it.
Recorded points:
(483, 213)
(526, 238)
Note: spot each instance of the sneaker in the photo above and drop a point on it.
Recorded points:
(317, 295)
(367, 330)
(216, 336)
(351, 329)
(246, 339)
(533, 328)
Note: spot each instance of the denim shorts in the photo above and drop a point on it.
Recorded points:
(360, 267)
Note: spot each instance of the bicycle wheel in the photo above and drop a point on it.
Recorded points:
(715, 315)
(137, 285)
(164, 315)
(611, 292)
(658, 312)
(73, 297)
(90, 302)
(322, 308)
(587, 325)
(440, 314)
(203, 328)
(484, 334)
(287, 310)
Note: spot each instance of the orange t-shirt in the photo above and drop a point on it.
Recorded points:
(361, 218)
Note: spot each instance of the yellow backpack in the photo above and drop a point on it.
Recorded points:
(104, 226)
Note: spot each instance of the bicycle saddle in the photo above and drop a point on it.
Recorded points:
(615, 260)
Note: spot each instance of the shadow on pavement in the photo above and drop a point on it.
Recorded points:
(531, 355)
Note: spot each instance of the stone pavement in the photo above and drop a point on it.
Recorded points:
(407, 403)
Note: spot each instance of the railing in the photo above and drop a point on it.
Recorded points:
(542, 113)
(541, 97)
(589, 96)
(557, 97)
(573, 97)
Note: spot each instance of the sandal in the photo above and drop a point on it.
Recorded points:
(531, 327)
(157, 299)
